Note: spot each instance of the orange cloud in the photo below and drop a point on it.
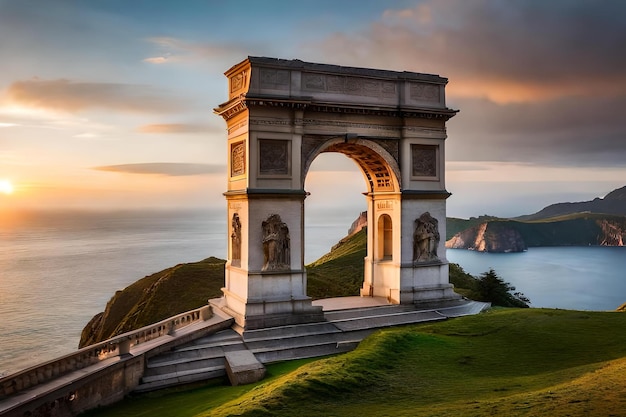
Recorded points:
(176, 128)
(171, 169)
(72, 96)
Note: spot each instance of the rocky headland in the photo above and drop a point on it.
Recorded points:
(600, 222)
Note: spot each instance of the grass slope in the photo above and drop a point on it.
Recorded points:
(513, 362)
(339, 273)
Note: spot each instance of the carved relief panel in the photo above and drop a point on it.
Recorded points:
(339, 84)
(426, 239)
(274, 79)
(425, 161)
(238, 159)
(274, 157)
(238, 83)
(424, 92)
(276, 244)
(235, 240)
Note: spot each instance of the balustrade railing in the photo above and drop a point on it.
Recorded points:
(92, 354)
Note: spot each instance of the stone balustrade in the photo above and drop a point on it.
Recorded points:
(98, 352)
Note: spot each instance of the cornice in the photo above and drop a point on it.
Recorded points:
(238, 104)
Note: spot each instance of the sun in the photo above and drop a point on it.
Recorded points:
(6, 187)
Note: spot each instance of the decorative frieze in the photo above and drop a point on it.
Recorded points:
(274, 79)
(424, 92)
(340, 84)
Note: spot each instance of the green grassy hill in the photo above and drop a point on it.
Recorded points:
(506, 362)
(339, 273)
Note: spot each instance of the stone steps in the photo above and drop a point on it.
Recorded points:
(205, 358)
(200, 360)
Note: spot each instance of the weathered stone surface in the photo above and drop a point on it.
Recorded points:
(243, 367)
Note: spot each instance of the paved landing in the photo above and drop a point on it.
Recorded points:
(346, 303)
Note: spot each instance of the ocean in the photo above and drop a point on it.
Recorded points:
(59, 269)
(575, 278)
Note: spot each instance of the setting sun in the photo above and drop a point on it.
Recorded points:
(6, 187)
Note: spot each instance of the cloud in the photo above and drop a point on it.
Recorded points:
(73, 96)
(178, 128)
(171, 169)
(520, 51)
(176, 50)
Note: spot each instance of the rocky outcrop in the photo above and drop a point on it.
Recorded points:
(489, 237)
(358, 224)
(515, 236)
(613, 233)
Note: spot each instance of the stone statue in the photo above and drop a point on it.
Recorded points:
(276, 244)
(235, 238)
(426, 238)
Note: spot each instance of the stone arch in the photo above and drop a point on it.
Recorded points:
(280, 115)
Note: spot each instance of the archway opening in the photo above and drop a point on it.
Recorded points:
(385, 243)
(335, 186)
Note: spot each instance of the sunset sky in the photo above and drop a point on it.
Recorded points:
(108, 104)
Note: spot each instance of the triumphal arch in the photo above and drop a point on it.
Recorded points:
(280, 115)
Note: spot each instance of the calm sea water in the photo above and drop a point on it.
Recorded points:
(57, 270)
(577, 278)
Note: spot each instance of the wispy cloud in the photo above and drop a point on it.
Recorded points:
(173, 50)
(178, 128)
(172, 169)
(73, 96)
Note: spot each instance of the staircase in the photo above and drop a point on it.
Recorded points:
(205, 358)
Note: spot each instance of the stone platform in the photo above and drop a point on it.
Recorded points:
(348, 320)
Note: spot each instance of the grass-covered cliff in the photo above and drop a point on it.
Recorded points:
(156, 297)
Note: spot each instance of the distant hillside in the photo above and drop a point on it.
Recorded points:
(504, 235)
(591, 223)
(613, 203)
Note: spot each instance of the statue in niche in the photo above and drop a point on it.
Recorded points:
(426, 238)
(235, 238)
(276, 244)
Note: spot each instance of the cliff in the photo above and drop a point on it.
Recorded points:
(156, 297)
(493, 236)
(503, 235)
(601, 221)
